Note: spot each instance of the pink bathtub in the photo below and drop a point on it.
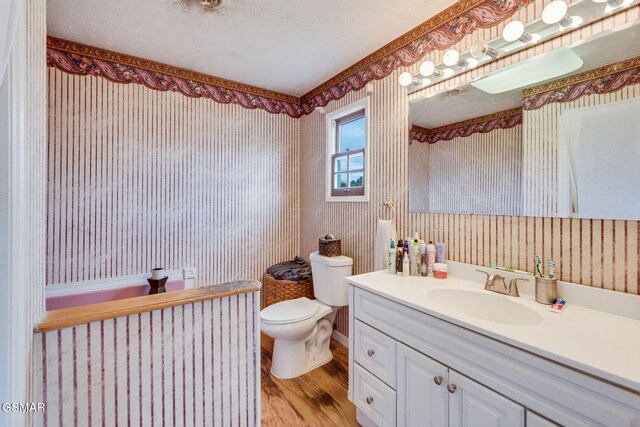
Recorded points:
(75, 300)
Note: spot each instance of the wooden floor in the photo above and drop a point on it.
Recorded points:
(318, 398)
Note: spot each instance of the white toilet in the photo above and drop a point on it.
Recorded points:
(302, 327)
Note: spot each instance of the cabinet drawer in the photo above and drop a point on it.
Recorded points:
(374, 398)
(376, 352)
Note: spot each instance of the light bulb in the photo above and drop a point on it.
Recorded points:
(480, 48)
(556, 12)
(405, 79)
(616, 4)
(451, 57)
(514, 30)
(428, 68)
(534, 38)
(447, 72)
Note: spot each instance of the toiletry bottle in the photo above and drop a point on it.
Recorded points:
(422, 247)
(424, 271)
(415, 258)
(392, 257)
(400, 253)
(406, 246)
(405, 264)
(431, 257)
(440, 252)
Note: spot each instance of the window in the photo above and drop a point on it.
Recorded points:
(347, 136)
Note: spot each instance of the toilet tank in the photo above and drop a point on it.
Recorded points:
(329, 284)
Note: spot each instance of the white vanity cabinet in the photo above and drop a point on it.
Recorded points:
(430, 394)
(411, 368)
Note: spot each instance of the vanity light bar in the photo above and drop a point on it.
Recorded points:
(557, 16)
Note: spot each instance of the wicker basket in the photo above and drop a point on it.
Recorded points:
(329, 247)
(282, 290)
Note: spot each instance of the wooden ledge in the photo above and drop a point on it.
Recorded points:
(74, 316)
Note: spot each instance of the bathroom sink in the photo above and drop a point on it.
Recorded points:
(485, 305)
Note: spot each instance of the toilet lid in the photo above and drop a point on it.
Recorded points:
(293, 310)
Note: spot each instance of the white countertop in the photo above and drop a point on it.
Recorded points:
(595, 342)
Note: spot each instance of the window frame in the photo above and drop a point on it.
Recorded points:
(333, 121)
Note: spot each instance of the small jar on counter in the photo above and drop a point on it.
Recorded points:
(440, 270)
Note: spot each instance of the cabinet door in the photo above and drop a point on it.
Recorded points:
(421, 401)
(473, 405)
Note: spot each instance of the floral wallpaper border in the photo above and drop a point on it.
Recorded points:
(605, 79)
(483, 124)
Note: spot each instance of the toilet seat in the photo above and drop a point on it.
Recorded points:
(290, 311)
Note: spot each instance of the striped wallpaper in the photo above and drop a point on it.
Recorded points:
(35, 195)
(193, 365)
(140, 178)
(599, 253)
(36, 116)
(479, 173)
(540, 190)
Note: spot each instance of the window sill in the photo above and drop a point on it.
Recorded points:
(330, 198)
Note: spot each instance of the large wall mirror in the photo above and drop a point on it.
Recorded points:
(566, 146)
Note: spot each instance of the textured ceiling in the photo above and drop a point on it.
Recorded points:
(289, 46)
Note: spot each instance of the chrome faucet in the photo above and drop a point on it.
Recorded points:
(494, 280)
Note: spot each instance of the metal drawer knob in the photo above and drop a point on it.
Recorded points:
(369, 400)
(437, 380)
(452, 388)
(370, 352)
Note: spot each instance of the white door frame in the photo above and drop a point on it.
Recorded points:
(16, 334)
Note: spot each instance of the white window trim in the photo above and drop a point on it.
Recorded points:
(331, 146)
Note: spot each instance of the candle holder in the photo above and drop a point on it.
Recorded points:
(157, 285)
